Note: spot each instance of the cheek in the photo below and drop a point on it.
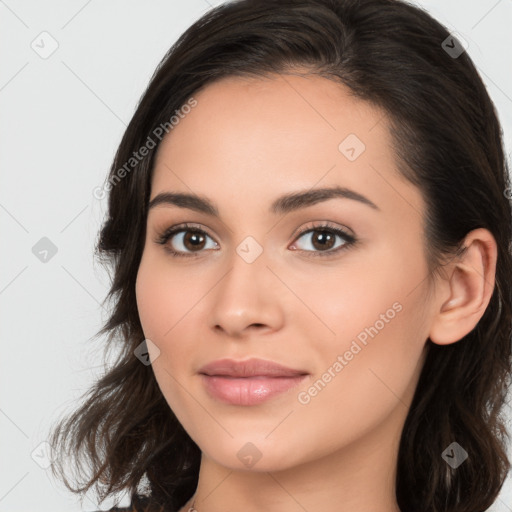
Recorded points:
(372, 357)
(361, 383)
(164, 295)
(167, 300)
(151, 301)
(349, 301)
(160, 309)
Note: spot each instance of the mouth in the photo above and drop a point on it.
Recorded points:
(248, 390)
(248, 382)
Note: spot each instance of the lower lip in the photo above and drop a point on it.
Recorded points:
(248, 390)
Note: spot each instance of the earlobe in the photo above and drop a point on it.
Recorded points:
(467, 291)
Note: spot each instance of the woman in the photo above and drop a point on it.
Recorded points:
(309, 233)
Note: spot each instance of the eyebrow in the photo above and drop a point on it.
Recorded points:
(283, 204)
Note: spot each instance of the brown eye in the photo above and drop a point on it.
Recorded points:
(188, 241)
(322, 240)
(185, 241)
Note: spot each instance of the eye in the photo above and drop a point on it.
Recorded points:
(187, 240)
(322, 239)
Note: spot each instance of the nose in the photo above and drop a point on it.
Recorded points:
(248, 298)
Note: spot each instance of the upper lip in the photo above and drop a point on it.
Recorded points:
(249, 368)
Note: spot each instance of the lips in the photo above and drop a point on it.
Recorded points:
(249, 382)
(249, 368)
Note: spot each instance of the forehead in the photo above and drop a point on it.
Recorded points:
(298, 109)
(263, 137)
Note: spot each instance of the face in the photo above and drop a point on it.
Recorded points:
(331, 285)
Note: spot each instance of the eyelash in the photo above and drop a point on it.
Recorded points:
(165, 236)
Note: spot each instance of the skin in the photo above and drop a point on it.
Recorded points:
(247, 142)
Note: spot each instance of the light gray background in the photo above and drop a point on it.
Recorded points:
(62, 119)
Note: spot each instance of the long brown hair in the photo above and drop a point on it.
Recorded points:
(448, 143)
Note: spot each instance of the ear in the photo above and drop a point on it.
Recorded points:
(466, 293)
